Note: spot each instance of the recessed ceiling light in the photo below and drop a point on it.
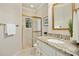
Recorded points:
(31, 6)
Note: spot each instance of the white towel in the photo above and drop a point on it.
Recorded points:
(10, 29)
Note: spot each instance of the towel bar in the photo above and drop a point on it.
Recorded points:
(5, 24)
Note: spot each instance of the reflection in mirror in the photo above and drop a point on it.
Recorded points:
(37, 25)
(45, 25)
(62, 13)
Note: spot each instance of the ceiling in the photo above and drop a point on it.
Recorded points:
(35, 5)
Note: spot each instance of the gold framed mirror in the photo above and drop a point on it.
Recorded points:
(62, 13)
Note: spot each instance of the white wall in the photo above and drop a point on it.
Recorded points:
(76, 25)
(50, 30)
(10, 13)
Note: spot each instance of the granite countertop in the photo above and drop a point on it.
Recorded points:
(67, 47)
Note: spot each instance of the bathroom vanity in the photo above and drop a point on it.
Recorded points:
(54, 47)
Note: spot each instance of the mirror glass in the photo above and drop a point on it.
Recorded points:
(62, 14)
(36, 24)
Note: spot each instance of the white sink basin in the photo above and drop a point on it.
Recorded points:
(55, 41)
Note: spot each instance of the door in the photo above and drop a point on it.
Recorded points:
(27, 32)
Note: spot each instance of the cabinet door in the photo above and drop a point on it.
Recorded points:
(50, 51)
(43, 54)
(61, 53)
(47, 49)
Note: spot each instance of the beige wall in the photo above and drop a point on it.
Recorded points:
(28, 11)
(42, 11)
(10, 13)
(50, 30)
